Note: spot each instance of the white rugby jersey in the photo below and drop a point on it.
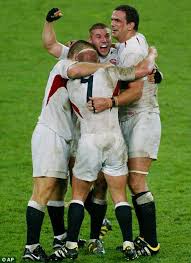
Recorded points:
(56, 109)
(112, 56)
(103, 83)
(64, 52)
(131, 53)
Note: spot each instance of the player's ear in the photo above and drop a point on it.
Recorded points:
(89, 40)
(76, 57)
(130, 26)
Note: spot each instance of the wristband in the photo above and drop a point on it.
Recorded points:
(113, 101)
(110, 104)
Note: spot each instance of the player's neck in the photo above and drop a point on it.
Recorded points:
(126, 37)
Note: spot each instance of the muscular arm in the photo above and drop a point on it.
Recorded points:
(49, 40)
(131, 94)
(83, 69)
(134, 91)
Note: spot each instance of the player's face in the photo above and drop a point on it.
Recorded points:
(101, 39)
(119, 25)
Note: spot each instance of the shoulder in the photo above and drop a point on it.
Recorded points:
(136, 45)
(64, 63)
(64, 52)
(62, 66)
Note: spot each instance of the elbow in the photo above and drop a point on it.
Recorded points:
(137, 94)
(54, 49)
(48, 48)
(73, 72)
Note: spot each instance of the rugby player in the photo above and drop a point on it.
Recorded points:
(50, 155)
(140, 124)
(100, 36)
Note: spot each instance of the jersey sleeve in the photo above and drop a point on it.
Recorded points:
(64, 52)
(63, 65)
(132, 59)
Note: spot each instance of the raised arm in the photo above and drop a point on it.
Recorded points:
(48, 35)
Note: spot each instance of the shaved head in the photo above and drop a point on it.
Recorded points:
(87, 55)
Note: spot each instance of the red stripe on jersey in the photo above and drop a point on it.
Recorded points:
(117, 89)
(76, 109)
(57, 83)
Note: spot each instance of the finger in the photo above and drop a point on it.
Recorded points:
(91, 108)
(58, 13)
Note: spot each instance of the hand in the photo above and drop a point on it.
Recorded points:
(155, 77)
(53, 15)
(151, 77)
(158, 76)
(98, 104)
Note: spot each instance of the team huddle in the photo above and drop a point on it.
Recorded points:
(99, 128)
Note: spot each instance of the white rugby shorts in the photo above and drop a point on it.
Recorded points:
(142, 133)
(104, 152)
(76, 136)
(50, 153)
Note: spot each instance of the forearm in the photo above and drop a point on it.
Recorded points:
(122, 73)
(131, 94)
(49, 40)
(84, 69)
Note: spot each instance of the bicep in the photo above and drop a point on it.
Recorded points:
(132, 93)
(136, 84)
(55, 50)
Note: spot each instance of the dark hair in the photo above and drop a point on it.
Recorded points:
(77, 46)
(97, 26)
(131, 14)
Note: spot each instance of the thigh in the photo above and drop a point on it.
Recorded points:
(50, 153)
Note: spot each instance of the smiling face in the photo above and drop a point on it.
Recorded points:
(101, 39)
